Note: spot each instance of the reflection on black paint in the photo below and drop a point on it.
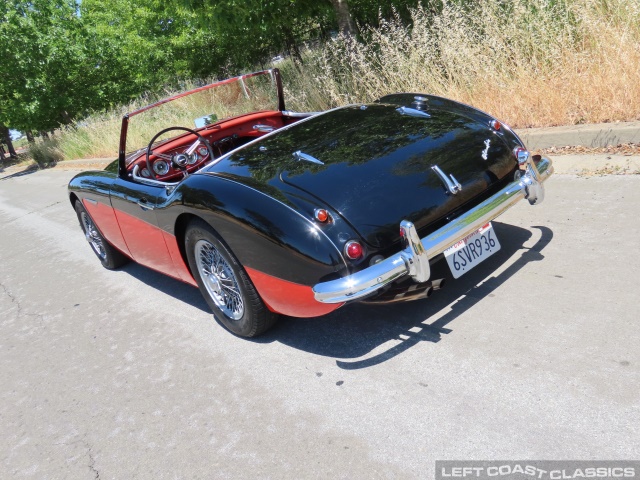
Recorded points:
(377, 165)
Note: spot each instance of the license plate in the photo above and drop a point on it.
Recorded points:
(472, 250)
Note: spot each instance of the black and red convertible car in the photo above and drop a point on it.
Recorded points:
(269, 211)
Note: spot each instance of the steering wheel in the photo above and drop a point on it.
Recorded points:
(178, 160)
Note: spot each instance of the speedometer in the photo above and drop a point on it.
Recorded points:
(160, 167)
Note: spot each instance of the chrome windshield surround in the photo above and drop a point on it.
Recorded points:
(413, 260)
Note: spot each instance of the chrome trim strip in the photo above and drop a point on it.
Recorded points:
(289, 113)
(264, 128)
(453, 185)
(150, 181)
(411, 260)
(306, 157)
(412, 112)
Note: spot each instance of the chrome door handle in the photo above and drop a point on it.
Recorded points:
(145, 205)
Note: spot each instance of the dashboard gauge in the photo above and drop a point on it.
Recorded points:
(145, 173)
(203, 151)
(193, 158)
(160, 167)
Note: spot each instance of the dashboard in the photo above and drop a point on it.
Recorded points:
(174, 158)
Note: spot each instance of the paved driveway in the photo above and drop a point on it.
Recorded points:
(533, 355)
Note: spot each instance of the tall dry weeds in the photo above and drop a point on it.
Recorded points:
(529, 62)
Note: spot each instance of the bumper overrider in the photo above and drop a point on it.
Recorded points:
(414, 259)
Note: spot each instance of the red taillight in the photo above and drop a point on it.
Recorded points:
(495, 124)
(321, 215)
(353, 250)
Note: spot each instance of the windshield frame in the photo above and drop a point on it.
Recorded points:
(275, 75)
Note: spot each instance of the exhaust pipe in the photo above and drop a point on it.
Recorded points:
(402, 293)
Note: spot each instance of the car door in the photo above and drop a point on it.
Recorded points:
(134, 205)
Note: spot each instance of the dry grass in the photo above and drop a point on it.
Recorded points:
(99, 135)
(528, 62)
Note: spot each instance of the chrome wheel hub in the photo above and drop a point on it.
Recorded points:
(214, 284)
(219, 280)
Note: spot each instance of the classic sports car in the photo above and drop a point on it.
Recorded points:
(277, 212)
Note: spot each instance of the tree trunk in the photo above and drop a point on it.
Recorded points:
(44, 134)
(30, 138)
(66, 118)
(345, 22)
(4, 132)
(2, 153)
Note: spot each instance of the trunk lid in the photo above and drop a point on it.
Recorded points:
(377, 164)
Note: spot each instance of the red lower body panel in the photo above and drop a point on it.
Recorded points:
(159, 250)
(153, 247)
(289, 298)
(181, 269)
(104, 217)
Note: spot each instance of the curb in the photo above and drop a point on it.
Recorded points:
(594, 135)
(596, 164)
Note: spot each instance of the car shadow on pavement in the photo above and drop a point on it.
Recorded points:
(356, 330)
(167, 285)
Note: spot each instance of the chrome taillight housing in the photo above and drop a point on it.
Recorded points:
(353, 250)
(521, 154)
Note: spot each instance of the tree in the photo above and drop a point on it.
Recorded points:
(6, 139)
(252, 31)
(69, 58)
(42, 42)
(345, 22)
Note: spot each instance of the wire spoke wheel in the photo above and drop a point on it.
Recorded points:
(219, 280)
(93, 236)
(224, 283)
(109, 256)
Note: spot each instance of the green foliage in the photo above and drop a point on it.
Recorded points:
(249, 32)
(68, 58)
(65, 59)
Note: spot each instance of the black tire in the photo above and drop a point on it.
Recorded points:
(224, 284)
(110, 257)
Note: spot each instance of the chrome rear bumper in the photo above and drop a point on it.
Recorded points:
(414, 259)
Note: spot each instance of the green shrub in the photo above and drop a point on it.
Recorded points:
(46, 153)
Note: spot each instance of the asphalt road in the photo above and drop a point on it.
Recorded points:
(532, 355)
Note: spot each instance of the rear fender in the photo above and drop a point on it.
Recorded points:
(266, 234)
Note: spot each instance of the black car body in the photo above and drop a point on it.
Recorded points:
(276, 212)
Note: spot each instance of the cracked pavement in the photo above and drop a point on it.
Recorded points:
(110, 375)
